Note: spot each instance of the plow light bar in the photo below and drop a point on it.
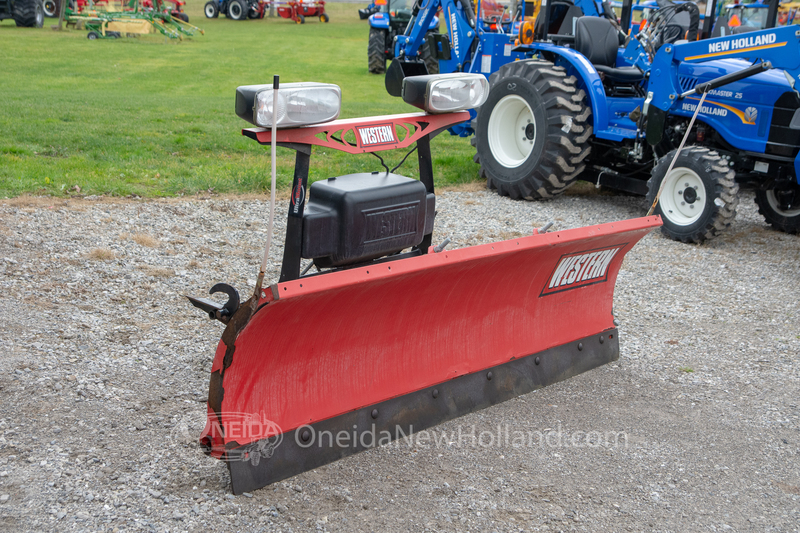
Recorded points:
(445, 93)
(299, 104)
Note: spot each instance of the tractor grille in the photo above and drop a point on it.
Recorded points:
(783, 140)
(687, 84)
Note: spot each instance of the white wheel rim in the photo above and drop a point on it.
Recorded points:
(776, 206)
(236, 10)
(209, 11)
(679, 204)
(512, 131)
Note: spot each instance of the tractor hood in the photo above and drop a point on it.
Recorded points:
(753, 114)
(758, 88)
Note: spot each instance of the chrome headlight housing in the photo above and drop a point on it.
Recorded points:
(446, 93)
(299, 104)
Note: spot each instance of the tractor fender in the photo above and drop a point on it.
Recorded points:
(379, 21)
(588, 78)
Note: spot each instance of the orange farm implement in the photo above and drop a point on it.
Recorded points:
(392, 335)
(299, 10)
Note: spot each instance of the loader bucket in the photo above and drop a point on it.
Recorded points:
(398, 71)
(333, 364)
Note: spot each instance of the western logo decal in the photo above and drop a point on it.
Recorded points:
(376, 135)
(581, 269)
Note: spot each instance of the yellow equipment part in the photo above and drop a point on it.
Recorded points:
(130, 26)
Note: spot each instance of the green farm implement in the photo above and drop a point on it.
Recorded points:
(131, 20)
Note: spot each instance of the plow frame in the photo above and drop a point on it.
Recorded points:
(418, 128)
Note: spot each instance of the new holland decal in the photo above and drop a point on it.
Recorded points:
(581, 269)
(748, 116)
(376, 135)
(737, 45)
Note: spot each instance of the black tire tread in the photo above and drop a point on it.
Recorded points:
(376, 51)
(244, 7)
(215, 9)
(565, 151)
(725, 188)
(431, 63)
(24, 13)
(776, 220)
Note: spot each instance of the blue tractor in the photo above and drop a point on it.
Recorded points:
(586, 102)
(392, 19)
(235, 9)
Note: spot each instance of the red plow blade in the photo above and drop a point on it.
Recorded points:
(379, 352)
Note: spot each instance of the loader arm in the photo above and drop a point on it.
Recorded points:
(459, 30)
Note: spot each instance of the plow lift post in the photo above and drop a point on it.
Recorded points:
(392, 335)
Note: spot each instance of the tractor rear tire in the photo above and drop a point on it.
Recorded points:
(211, 9)
(780, 208)
(237, 10)
(700, 197)
(430, 60)
(28, 13)
(376, 51)
(532, 134)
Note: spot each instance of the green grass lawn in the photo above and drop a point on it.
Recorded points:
(153, 117)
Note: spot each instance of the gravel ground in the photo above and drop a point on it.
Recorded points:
(106, 370)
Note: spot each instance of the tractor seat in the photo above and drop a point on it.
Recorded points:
(598, 40)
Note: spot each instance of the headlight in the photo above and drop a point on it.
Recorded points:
(445, 93)
(299, 104)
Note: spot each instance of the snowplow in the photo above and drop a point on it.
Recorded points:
(391, 332)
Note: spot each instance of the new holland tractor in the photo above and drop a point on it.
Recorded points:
(235, 9)
(26, 13)
(390, 20)
(585, 103)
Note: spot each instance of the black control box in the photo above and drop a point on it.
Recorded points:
(358, 217)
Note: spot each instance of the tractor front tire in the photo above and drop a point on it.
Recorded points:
(28, 13)
(376, 51)
(532, 134)
(51, 8)
(430, 60)
(211, 9)
(237, 10)
(780, 208)
(699, 197)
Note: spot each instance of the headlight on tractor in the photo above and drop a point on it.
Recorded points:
(299, 104)
(446, 93)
